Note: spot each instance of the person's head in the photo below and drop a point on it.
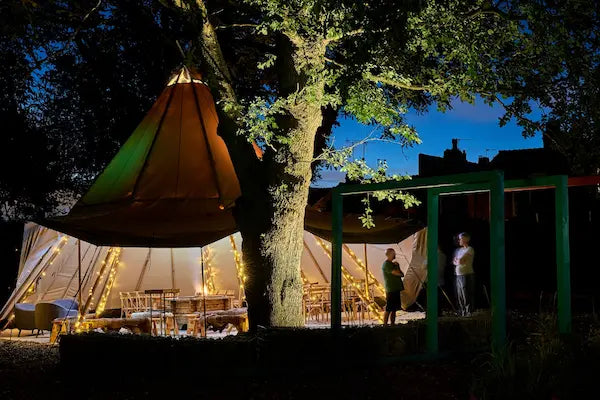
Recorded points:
(463, 239)
(390, 254)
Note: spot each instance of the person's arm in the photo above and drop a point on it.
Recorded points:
(397, 271)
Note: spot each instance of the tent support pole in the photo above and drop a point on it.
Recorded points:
(96, 283)
(43, 268)
(59, 269)
(336, 259)
(355, 261)
(366, 271)
(203, 288)
(138, 285)
(172, 271)
(66, 292)
(79, 274)
(90, 268)
(314, 259)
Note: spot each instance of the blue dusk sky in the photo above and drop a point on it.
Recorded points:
(475, 125)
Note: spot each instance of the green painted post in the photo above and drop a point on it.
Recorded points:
(336, 260)
(497, 263)
(432, 271)
(563, 262)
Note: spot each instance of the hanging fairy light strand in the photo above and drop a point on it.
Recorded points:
(304, 278)
(361, 265)
(350, 280)
(239, 265)
(208, 255)
(55, 252)
(105, 264)
(114, 263)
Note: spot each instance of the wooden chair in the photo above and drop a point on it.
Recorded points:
(133, 302)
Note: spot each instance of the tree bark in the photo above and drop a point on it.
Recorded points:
(272, 230)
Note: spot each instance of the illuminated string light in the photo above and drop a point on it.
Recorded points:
(54, 254)
(361, 265)
(350, 280)
(239, 266)
(209, 272)
(114, 263)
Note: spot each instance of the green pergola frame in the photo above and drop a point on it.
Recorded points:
(492, 182)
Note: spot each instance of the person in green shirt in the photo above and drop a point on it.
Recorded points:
(392, 278)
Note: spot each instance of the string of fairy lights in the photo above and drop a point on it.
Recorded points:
(114, 263)
(110, 262)
(239, 266)
(304, 278)
(55, 252)
(361, 265)
(209, 286)
(361, 292)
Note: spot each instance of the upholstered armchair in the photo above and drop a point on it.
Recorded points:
(45, 313)
(25, 317)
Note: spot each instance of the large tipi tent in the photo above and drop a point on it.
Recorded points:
(170, 188)
(172, 182)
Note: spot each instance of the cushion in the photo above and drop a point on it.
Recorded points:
(146, 314)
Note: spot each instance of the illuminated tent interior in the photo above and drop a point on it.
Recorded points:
(49, 268)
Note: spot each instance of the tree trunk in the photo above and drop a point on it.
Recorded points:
(270, 213)
(272, 227)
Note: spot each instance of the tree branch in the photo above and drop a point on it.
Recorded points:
(220, 27)
(53, 55)
(395, 83)
(329, 60)
(343, 36)
(492, 10)
(367, 139)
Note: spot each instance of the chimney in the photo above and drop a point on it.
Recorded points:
(454, 144)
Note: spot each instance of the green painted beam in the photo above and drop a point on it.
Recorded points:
(418, 183)
(563, 258)
(432, 271)
(531, 183)
(336, 259)
(464, 188)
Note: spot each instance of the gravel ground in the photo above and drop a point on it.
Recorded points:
(31, 371)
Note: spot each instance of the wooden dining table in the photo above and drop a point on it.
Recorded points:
(192, 304)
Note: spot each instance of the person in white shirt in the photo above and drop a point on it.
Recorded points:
(465, 276)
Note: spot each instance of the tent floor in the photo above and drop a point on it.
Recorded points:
(11, 334)
(402, 318)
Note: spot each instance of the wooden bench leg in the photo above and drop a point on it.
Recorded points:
(199, 327)
(56, 328)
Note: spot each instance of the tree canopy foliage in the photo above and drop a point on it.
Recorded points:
(78, 76)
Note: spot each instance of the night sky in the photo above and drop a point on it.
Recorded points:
(476, 126)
